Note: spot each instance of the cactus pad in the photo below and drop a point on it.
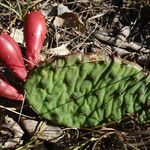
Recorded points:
(87, 90)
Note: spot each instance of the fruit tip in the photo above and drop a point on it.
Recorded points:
(21, 74)
(20, 97)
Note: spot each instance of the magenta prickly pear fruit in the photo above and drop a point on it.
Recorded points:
(34, 34)
(11, 56)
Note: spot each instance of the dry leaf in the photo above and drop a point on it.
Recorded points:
(50, 133)
(43, 130)
(61, 9)
(69, 19)
(58, 22)
(11, 134)
(17, 34)
(61, 50)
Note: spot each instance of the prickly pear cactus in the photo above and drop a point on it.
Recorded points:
(87, 90)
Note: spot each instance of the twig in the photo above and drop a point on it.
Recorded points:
(79, 45)
(20, 113)
(10, 8)
(12, 22)
(14, 111)
(120, 51)
(105, 37)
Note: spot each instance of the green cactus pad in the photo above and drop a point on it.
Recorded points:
(87, 90)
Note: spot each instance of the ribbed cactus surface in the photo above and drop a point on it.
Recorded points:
(87, 90)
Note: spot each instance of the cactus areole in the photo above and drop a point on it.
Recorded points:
(87, 90)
